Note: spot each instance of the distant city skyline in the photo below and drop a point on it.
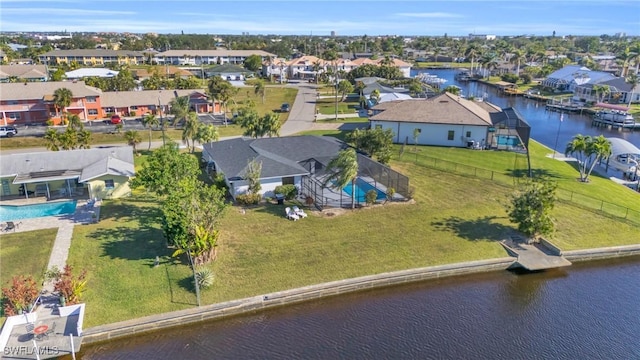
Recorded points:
(348, 18)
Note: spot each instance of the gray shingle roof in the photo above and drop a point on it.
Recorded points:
(94, 161)
(145, 97)
(281, 156)
(442, 109)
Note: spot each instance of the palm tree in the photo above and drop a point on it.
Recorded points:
(601, 91)
(179, 109)
(133, 138)
(190, 129)
(150, 121)
(472, 52)
(598, 148)
(343, 171)
(84, 138)
(62, 98)
(632, 80)
(259, 88)
(271, 124)
(52, 140)
(452, 89)
(635, 55)
(578, 148)
(375, 96)
(517, 57)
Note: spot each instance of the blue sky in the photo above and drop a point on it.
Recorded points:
(347, 17)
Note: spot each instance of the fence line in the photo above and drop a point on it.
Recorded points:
(568, 196)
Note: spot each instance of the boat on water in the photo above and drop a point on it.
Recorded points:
(614, 116)
(430, 79)
(463, 75)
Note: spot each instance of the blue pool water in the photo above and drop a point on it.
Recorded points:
(10, 212)
(361, 187)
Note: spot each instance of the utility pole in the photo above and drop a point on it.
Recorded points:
(161, 122)
(336, 77)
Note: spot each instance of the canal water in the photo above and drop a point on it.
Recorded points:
(586, 311)
(545, 124)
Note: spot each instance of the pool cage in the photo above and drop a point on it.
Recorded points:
(371, 172)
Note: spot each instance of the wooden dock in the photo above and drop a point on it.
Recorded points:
(534, 256)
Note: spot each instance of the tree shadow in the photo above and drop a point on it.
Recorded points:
(536, 173)
(481, 229)
(186, 283)
(132, 243)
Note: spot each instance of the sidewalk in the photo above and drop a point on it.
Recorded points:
(333, 116)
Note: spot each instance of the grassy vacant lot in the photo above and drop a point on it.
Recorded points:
(328, 106)
(274, 97)
(25, 253)
(454, 218)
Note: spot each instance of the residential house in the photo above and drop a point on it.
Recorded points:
(163, 71)
(297, 160)
(90, 72)
(571, 76)
(93, 57)
(449, 120)
(208, 57)
(619, 91)
(22, 73)
(229, 72)
(276, 68)
(102, 173)
(32, 102)
(139, 103)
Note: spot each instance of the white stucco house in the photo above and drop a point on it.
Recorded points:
(449, 120)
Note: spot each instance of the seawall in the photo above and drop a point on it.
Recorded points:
(235, 307)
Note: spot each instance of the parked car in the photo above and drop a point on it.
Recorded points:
(8, 131)
(285, 107)
(115, 119)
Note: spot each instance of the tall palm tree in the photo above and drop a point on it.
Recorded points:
(601, 91)
(343, 170)
(179, 109)
(578, 148)
(150, 121)
(62, 98)
(190, 130)
(133, 138)
(472, 52)
(271, 124)
(598, 148)
(259, 89)
(632, 80)
(52, 140)
(517, 57)
(635, 55)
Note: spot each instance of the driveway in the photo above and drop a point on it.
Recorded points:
(303, 110)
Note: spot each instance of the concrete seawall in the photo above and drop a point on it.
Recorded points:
(602, 253)
(287, 297)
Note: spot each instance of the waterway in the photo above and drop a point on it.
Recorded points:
(545, 124)
(587, 311)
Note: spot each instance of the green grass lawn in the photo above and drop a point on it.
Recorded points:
(275, 96)
(25, 253)
(455, 218)
(328, 106)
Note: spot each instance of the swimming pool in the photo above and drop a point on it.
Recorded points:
(11, 212)
(361, 187)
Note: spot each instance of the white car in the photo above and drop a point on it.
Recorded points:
(8, 131)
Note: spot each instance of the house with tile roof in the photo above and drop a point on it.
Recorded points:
(139, 103)
(32, 102)
(102, 173)
(449, 120)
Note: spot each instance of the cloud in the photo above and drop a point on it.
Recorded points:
(430, 15)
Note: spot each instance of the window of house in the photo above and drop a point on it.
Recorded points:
(109, 184)
(451, 134)
(133, 107)
(93, 111)
(417, 130)
(287, 180)
(91, 99)
(468, 134)
(14, 116)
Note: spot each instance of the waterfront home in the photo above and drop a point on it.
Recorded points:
(619, 91)
(571, 76)
(102, 173)
(297, 160)
(450, 120)
(139, 103)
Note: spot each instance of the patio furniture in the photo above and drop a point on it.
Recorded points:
(10, 226)
(290, 214)
(299, 212)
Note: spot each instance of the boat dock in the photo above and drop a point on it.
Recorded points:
(596, 122)
(534, 256)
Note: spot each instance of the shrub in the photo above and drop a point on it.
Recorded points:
(512, 78)
(248, 199)
(70, 287)
(390, 192)
(49, 122)
(526, 78)
(371, 197)
(218, 181)
(21, 293)
(204, 277)
(289, 191)
(132, 113)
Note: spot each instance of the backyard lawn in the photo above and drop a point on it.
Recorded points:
(455, 218)
(328, 106)
(25, 253)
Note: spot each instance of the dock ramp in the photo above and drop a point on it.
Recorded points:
(534, 256)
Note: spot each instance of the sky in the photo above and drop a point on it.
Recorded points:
(346, 17)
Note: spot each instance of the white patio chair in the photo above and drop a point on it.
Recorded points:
(290, 214)
(299, 212)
